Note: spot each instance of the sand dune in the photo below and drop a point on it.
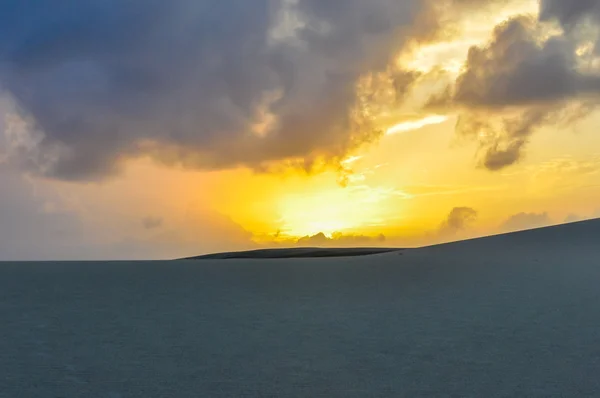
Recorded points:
(297, 252)
(515, 315)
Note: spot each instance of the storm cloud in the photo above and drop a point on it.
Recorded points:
(516, 69)
(200, 83)
(521, 80)
(569, 12)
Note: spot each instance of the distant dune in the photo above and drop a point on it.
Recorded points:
(515, 315)
(300, 252)
(525, 237)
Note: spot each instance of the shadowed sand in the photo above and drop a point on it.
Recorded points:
(300, 252)
(515, 315)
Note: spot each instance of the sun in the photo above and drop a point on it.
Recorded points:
(328, 211)
(309, 214)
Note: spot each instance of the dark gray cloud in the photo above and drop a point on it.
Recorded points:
(203, 83)
(573, 15)
(518, 82)
(458, 219)
(569, 12)
(517, 67)
(503, 139)
(523, 221)
(514, 69)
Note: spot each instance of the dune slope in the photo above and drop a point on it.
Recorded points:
(512, 315)
(300, 252)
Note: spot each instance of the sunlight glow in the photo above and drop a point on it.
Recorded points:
(326, 212)
(351, 159)
(334, 210)
(416, 124)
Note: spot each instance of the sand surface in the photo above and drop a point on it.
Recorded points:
(508, 316)
(296, 252)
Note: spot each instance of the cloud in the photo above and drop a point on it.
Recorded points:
(569, 13)
(518, 67)
(152, 222)
(317, 239)
(339, 239)
(573, 218)
(459, 219)
(502, 139)
(521, 80)
(523, 221)
(200, 83)
(216, 84)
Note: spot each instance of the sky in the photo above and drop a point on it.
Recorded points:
(155, 130)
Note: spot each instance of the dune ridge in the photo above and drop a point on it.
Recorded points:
(295, 252)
